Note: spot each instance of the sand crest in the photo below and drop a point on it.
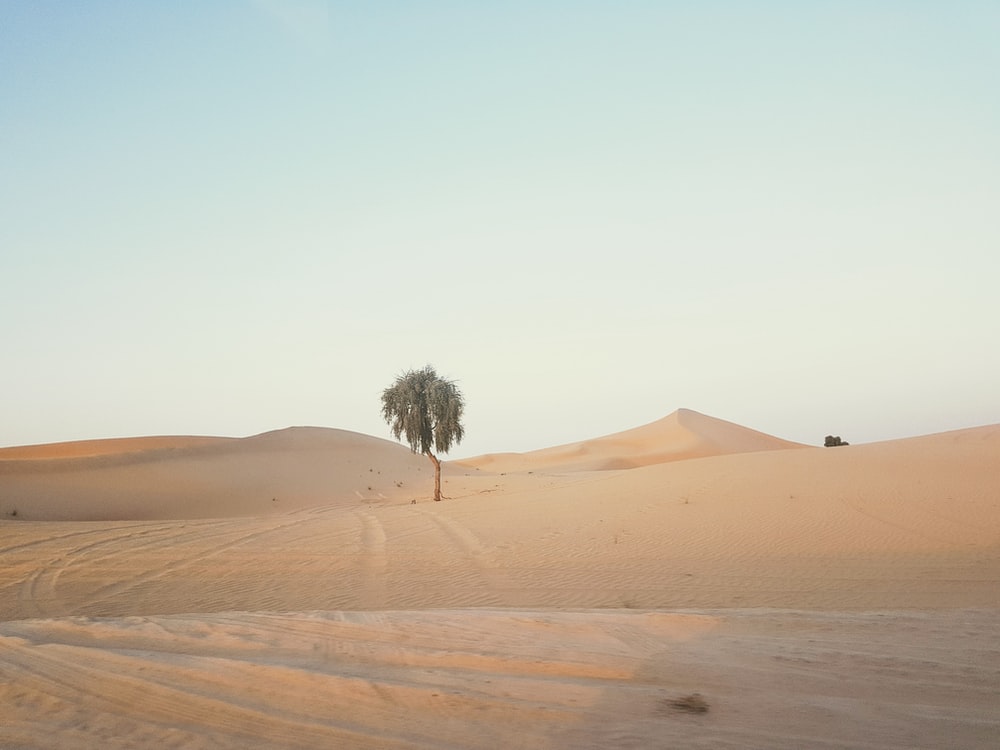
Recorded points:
(681, 435)
(185, 478)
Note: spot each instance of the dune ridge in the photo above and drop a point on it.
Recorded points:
(680, 435)
(299, 467)
(176, 478)
(103, 447)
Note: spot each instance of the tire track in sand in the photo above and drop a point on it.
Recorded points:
(374, 562)
(215, 538)
(40, 586)
(57, 539)
(173, 703)
(497, 581)
(238, 540)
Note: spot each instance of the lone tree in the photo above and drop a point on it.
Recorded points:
(428, 409)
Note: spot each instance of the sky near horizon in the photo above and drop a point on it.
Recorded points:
(225, 218)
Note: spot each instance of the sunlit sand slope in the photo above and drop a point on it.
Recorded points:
(276, 472)
(912, 523)
(109, 447)
(489, 679)
(256, 593)
(678, 436)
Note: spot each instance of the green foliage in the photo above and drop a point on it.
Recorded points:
(426, 408)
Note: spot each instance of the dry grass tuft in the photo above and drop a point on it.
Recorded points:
(692, 704)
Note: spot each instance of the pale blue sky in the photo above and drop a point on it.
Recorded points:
(228, 217)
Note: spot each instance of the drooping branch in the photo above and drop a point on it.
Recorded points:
(427, 409)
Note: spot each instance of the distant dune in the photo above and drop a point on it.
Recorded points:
(185, 477)
(678, 436)
(298, 589)
(111, 446)
(299, 467)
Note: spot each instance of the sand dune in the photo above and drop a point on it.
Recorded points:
(678, 436)
(175, 478)
(282, 591)
(300, 467)
(109, 446)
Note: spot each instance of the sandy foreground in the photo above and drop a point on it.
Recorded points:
(282, 591)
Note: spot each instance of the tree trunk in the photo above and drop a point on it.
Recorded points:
(437, 475)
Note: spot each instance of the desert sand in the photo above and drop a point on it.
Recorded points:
(285, 591)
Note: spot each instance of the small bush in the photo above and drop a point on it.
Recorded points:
(692, 704)
(834, 441)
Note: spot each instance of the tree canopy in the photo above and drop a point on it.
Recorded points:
(427, 409)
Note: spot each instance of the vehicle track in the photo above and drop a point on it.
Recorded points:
(175, 548)
(39, 586)
(468, 544)
(123, 687)
(374, 563)
(240, 540)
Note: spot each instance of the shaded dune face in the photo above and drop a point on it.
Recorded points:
(177, 478)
